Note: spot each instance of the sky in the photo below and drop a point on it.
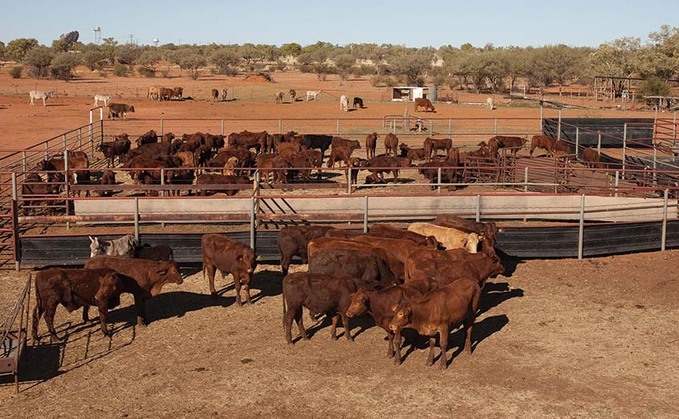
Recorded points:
(411, 23)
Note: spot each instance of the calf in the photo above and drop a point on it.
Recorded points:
(150, 275)
(113, 149)
(122, 246)
(317, 141)
(358, 102)
(293, 240)
(432, 145)
(320, 294)
(148, 137)
(101, 98)
(230, 257)
(592, 158)
(424, 103)
(119, 110)
(75, 288)
(411, 153)
(380, 304)
(370, 145)
(36, 94)
(230, 185)
(435, 313)
(391, 144)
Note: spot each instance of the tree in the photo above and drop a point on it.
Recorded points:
(128, 54)
(224, 59)
(62, 65)
(39, 58)
(18, 48)
(93, 58)
(343, 63)
(411, 64)
(191, 61)
(150, 58)
(291, 50)
(2, 49)
(654, 86)
(618, 58)
(108, 49)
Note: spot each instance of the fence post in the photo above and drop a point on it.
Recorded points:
(577, 142)
(222, 126)
(80, 138)
(280, 126)
(349, 180)
(162, 124)
(664, 220)
(558, 133)
(624, 148)
(598, 142)
(450, 127)
(365, 214)
(14, 186)
(495, 126)
(478, 208)
(253, 226)
(617, 181)
(24, 163)
(655, 166)
(162, 180)
(581, 229)
(136, 219)
(438, 186)
(338, 126)
(542, 111)
(525, 179)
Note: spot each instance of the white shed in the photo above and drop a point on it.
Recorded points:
(409, 93)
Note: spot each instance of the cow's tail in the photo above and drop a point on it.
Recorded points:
(283, 297)
(37, 310)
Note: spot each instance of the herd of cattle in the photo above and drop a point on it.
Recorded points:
(228, 163)
(427, 277)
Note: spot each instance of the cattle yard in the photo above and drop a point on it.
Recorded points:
(526, 333)
(636, 185)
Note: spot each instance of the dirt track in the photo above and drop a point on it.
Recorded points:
(566, 338)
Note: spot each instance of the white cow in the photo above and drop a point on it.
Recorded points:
(490, 103)
(344, 103)
(37, 94)
(312, 94)
(101, 98)
(449, 238)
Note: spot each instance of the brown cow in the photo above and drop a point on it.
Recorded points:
(340, 153)
(449, 266)
(247, 139)
(435, 313)
(380, 165)
(370, 145)
(380, 304)
(542, 141)
(424, 103)
(272, 168)
(156, 253)
(75, 288)
(151, 276)
(320, 294)
(368, 270)
(391, 144)
(293, 241)
(432, 145)
(148, 137)
(230, 257)
(411, 153)
(505, 141)
(592, 158)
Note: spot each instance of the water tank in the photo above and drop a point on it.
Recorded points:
(432, 93)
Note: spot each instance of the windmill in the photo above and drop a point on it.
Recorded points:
(156, 41)
(97, 35)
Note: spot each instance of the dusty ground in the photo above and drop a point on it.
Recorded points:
(565, 338)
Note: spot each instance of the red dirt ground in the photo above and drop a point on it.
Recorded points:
(558, 338)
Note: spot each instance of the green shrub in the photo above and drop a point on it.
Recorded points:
(120, 70)
(147, 72)
(653, 87)
(103, 73)
(15, 72)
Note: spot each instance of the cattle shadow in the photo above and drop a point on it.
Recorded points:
(480, 332)
(171, 304)
(495, 293)
(269, 283)
(509, 262)
(324, 323)
(37, 365)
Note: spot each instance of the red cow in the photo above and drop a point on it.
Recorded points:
(230, 257)
(293, 241)
(75, 288)
(436, 313)
(320, 294)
